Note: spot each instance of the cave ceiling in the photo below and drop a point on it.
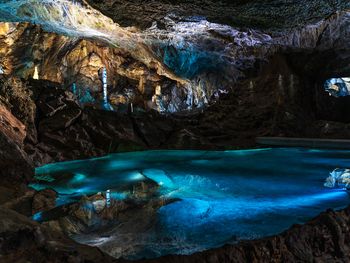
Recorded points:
(203, 47)
(263, 14)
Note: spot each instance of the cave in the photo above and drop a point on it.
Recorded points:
(174, 131)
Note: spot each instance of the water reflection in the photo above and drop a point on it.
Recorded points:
(223, 197)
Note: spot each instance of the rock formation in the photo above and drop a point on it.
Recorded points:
(181, 75)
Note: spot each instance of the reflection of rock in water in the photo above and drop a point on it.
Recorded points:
(224, 198)
(122, 228)
(339, 178)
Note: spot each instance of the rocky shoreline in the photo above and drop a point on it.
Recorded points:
(323, 239)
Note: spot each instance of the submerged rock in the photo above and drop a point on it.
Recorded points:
(24, 239)
(93, 214)
(325, 239)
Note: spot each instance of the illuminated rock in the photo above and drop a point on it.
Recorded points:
(78, 19)
(199, 59)
(338, 87)
(339, 178)
(11, 126)
(17, 98)
(36, 73)
(183, 52)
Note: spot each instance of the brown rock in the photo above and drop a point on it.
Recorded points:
(23, 240)
(44, 200)
(16, 167)
(11, 126)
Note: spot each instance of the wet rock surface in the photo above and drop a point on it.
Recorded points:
(91, 216)
(24, 239)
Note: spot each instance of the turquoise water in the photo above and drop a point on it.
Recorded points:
(225, 196)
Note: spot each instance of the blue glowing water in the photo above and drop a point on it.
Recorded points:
(225, 196)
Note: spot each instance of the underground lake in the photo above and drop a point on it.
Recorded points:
(208, 198)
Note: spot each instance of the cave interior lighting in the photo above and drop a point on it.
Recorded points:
(338, 87)
(338, 178)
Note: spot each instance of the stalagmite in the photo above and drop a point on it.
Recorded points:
(36, 73)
